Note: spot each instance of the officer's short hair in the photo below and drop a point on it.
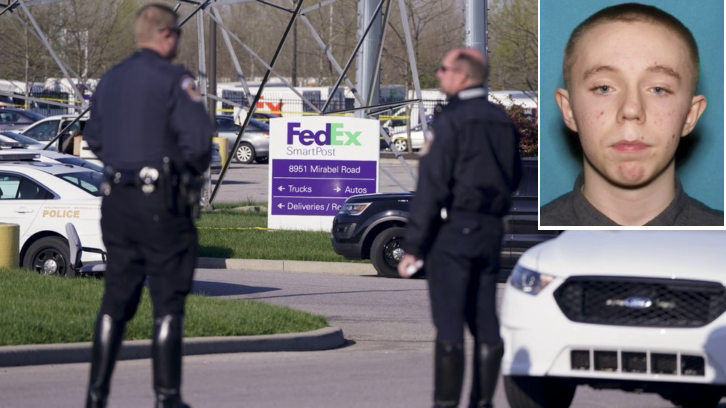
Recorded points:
(151, 20)
(475, 68)
(632, 12)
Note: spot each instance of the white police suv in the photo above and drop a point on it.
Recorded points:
(42, 198)
(633, 310)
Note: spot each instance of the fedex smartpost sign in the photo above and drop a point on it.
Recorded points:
(315, 164)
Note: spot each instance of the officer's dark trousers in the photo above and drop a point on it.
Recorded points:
(144, 242)
(461, 269)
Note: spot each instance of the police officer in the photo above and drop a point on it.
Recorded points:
(149, 127)
(465, 184)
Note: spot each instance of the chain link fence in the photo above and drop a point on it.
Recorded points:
(45, 109)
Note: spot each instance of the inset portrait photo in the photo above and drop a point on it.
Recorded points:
(632, 113)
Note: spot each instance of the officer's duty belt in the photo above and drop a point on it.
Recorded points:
(123, 177)
(146, 179)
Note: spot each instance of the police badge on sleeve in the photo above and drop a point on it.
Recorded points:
(428, 139)
(190, 87)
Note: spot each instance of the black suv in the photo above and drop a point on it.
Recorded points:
(372, 226)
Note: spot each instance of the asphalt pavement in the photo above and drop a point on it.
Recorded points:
(386, 361)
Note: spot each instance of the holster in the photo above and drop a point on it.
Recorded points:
(182, 189)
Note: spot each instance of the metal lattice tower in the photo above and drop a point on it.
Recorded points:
(371, 38)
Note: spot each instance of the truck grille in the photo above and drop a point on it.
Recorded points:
(627, 301)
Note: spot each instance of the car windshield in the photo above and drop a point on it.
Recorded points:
(254, 125)
(89, 181)
(19, 138)
(34, 116)
(261, 125)
(80, 163)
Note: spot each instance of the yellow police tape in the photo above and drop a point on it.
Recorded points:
(9, 245)
(381, 118)
(239, 228)
(22, 106)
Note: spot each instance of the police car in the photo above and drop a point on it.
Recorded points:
(50, 156)
(632, 310)
(42, 197)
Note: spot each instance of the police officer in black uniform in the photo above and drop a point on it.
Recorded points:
(465, 184)
(149, 127)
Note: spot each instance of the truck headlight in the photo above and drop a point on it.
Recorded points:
(353, 208)
(529, 281)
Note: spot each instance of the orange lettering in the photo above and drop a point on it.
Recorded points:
(274, 108)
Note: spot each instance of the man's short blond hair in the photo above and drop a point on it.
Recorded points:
(151, 20)
(632, 12)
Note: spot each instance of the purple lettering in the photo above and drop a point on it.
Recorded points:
(307, 137)
(291, 132)
(322, 137)
(325, 137)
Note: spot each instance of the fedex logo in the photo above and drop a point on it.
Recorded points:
(333, 134)
(274, 108)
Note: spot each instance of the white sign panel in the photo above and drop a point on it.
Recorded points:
(315, 164)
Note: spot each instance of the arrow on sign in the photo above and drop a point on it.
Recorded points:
(281, 188)
(337, 189)
(280, 205)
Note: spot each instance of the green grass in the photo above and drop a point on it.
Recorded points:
(40, 309)
(248, 202)
(251, 243)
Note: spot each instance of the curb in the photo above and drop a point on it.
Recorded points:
(65, 353)
(407, 156)
(335, 268)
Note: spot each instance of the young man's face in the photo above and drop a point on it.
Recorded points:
(630, 99)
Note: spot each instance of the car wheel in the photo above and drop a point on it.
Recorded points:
(539, 392)
(707, 400)
(400, 145)
(262, 160)
(387, 251)
(245, 153)
(49, 256)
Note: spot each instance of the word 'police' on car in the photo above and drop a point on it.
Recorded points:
(42, 197)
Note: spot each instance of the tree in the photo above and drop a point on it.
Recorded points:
(436, 26)
(92, 35)
(514, 45)
(526, 125)
(89, 36)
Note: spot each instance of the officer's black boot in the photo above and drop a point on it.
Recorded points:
(487, 360)
(448, 374)
(107, 338)
(167, 356)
